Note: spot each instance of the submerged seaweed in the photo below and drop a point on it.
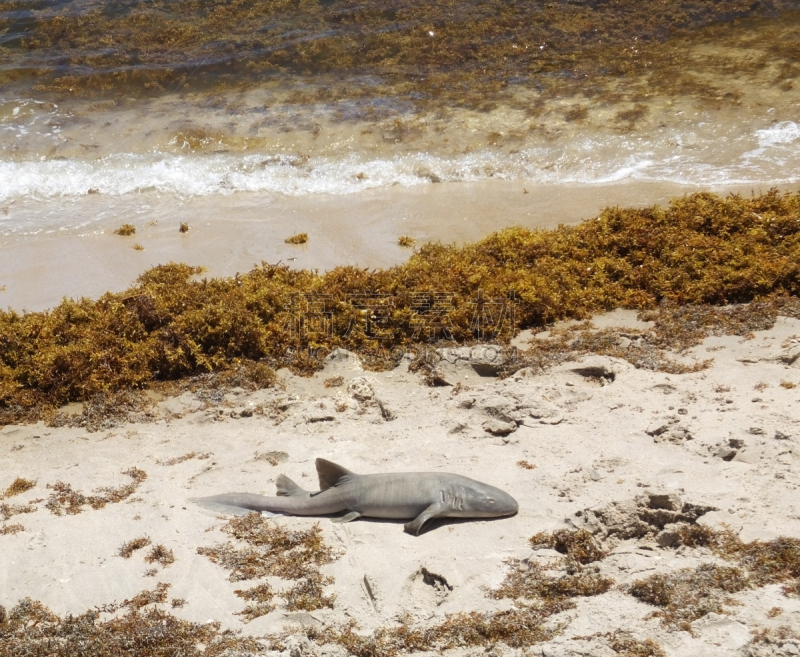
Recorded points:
(474, 53)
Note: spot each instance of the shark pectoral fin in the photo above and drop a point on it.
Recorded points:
(434, 510)
(348, 517)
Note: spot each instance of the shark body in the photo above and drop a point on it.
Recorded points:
(418, 496)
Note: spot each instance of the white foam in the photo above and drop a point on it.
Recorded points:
(773, 145)
(784, 132)
(588, 160)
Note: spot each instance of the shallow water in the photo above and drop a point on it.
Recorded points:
(196, 98)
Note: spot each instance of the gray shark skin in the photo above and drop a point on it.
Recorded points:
(420, 496)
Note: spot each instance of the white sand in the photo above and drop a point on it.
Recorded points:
(598, 452)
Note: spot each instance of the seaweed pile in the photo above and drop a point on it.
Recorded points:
(701, 249)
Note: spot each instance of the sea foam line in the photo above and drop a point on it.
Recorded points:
(206, 174)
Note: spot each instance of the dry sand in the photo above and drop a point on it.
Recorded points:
(230, 234)
(593, 441)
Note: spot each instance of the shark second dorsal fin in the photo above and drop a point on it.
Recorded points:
(330, 474)
(287, 488)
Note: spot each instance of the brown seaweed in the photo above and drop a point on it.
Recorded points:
(698, 255)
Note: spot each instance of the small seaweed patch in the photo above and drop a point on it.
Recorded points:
(156, 596)
(520, 627)
(300, 238)
(106, 410)
(633, 115)
(144, 630)
(426, 364)
(766, 642)
(767, 562)
(334, 382)
(126, 230)
(625, 645)
(308, 594)
(65, 500)
(675, 330)
(183, 228)
(9, 510)
(211, 387)
(161, 555)
(526, 465)
(17, 487)
(186, 457)
(273, 458)
(690, 594)
(271, 550)
(16, 528)
(405, 241)
(261, 597)
(129, 547)
(579, 545)
(560, 581)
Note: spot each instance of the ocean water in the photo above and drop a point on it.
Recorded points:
(295, 97)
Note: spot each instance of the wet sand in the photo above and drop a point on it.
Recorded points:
(230, 234)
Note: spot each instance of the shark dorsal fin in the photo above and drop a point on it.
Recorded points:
(330, 474)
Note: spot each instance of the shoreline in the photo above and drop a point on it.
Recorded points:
(231, 234)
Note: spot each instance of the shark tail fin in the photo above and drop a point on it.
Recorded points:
(330, 474)
(227, 504)
(287, 488)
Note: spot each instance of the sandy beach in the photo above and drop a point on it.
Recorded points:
(594, 444)
(552, 247)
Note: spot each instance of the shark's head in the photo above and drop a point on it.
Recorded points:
(479, 500)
